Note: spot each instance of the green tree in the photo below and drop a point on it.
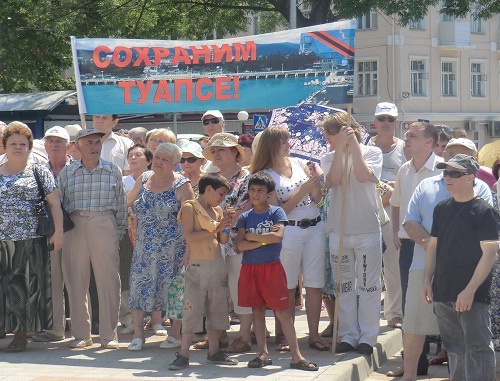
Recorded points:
(34, 34)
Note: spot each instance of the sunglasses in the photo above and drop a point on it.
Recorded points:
(213, 121)
(190, 160)
(383, 118)
(454, 174)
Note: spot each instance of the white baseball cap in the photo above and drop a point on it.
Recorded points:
(72, 131)
(57, 131)
(214, 113)
(386, 108)
(467, 143)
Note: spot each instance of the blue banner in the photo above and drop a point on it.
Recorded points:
(119, 76)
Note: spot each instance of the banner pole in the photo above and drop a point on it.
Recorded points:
(82, 121)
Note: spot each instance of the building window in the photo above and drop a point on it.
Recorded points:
(367, 78)
(368, 21)
(476, 23)
(477, 79)
(448, 79)
(418, 77)
(419, 24)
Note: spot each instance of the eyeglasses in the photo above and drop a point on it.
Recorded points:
(454, 174)
(383, 118)
(190, 160)
(213, 121)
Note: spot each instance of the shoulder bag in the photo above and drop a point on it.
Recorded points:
(45, 221)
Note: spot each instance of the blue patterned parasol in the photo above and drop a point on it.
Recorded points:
(304, 124)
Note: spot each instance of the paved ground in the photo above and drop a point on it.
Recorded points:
(55, 361)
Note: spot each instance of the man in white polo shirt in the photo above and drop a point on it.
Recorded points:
(114, 147)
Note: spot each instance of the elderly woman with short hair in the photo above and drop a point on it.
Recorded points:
(25, 292)
(155, 275)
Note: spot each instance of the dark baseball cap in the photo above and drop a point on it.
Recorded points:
(461, 161)
(88, 132)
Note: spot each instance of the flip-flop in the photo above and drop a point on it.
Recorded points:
(304, 365)
(136, 344)
(319, 346)
(259, 362)
(283, 347)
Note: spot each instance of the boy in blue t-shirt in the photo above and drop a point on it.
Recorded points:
(262, 277)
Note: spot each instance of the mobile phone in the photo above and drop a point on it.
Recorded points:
(51, 246)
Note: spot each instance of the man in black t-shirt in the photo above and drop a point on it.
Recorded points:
(460, 257)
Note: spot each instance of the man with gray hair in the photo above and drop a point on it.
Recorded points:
(138, 135)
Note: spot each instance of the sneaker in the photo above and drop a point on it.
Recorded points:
(81, 343)
(179, 363)
(328, 331)
(127, 331)
(344, 347)
(47, 336)
(365, 349)
(221, 358)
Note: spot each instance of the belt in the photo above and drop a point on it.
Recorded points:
(88, 213)
(305, 222)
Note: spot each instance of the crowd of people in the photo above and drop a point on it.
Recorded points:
(196, 232)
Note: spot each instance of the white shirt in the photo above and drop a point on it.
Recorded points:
(406, 182)
(115, 149)
(361, 210)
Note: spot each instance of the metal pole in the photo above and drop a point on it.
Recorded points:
(293, 14)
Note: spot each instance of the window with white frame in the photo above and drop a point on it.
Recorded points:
(418, 77)
(478, 79)
(477, 25)
(367, 78)
(449, 78)
(418, 24)
(368, 21)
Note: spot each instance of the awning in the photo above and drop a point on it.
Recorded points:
(42, 101)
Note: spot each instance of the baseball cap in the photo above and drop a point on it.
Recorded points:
(57, 131)
(214, 113)
(72, 131)
(461, 161)
(386, 108)
(191, 147)
(88, 132)
(467, 143)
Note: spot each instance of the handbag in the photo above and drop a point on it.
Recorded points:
(45, 221)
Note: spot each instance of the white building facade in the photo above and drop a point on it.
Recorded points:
(441, 69)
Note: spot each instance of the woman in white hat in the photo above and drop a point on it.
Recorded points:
(192, 161)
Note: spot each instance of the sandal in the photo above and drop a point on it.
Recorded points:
(319, 346)
(304, 365)
(238, 346)
(16, 346)
(437, 361)
(328, 331)
(260, 362)
(282, 345)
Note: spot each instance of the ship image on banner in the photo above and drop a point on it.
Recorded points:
(124, 76)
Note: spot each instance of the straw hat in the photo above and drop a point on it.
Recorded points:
(223, 139)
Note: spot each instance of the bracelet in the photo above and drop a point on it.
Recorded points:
(226, 231)
(263, 243)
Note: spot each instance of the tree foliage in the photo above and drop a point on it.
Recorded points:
(35, 34)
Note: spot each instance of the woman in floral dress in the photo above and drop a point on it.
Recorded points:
(156, 281)
(25, 291)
